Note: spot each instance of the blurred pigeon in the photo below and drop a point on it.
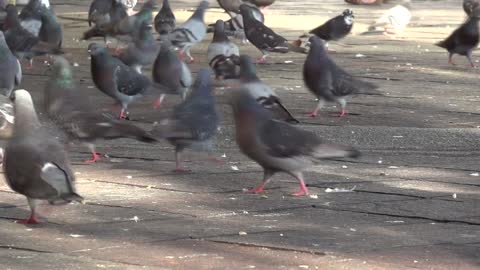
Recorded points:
(194, 122)
(10, 69)
(260, 91)
(6, 118)
(43, 172)
(463, 40)
(234, 26)
(263, 37)
(329, 82)
(335, 28)
(277, 146)
(71, 111)
(104, 12)
(170, 74)
(51, 31)
(471, 7)
(222, 54)
(190, 32)
(129, 5)
(232, 7)
(394, 20)
(164, 22)
(141, 52)
(31, 15)
(115, 79)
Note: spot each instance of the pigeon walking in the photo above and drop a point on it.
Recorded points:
(194, 122)
(222, 54)
(234, 26)
(10, 69)
(463, 40)
(335, 28)
(277, 146)
(115, 79)
(170, 74)
(261, 92)
(71, 111)
(165, 20)
(190, 32)
(329, 82)
(36, 165)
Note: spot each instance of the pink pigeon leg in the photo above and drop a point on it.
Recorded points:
(95, 155)
(159, 101)
(178, 163)
(320, 105)
(303, 188)
(267, 175)
(33, 219)
(450, 60)
(262, 59)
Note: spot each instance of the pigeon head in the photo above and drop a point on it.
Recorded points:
(348, 16)
(96, 49)
(248, 71)
(200, 11)
(202, 85)
(219, 33)
(25, 115)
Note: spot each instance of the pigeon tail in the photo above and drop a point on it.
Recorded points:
(297, 49)
(325, 151)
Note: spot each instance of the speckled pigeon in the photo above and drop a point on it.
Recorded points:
(222, 54)
(10, 69)
(278, 146)
(164, 21)
(36, 165)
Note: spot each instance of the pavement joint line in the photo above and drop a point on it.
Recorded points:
(136, 208)
(24, 249)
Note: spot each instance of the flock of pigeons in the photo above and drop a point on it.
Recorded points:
(264, 130)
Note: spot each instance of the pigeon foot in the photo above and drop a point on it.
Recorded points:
(31, 220)
(312, 114)
(256, 190)
(95, 157)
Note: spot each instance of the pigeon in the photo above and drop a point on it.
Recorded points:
(335, 28)
(193, 122)
(260, 91)
(222, 54)
(31, 15)
(329, 82)
(471, 6)
(105, 12)
(190, 32)
(394, 20)
(7, 118)
(260, 3)
(170, 74)
(71, 111)
(142, 51)
(231, 7)
(10, 69)
(278, 146)
(36, 165)
(263, 37)
(165, 20)
(51, 31)
(234, 26)
(115, 79)
(463, 40)
(129, 5)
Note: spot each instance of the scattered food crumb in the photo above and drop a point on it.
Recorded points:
(129, 176)
(359, 55)
(313, 196)
(353, 229)
(474, 174)
(288, 62)
(333, 190)
(242, 233)
(76, 235)
(454, 195)
(235, 168)
(344, 166)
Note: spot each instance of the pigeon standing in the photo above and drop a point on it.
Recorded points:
(31, 15)
(10, 69)
(190, 32)
(222, 54)
(51, 31)
(71, 111)
(463, 40)
(260, 91)
(335, 28)
(263, 37)
(104, 12)
(194, 122)
(329, 82)
(165, 20)
(170, 74)
(142, 51)
(277, 146)
(36, 165)
(115, 79)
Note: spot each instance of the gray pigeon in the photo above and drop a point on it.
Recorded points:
(7, 118)
(165, 20)
(31, 15)
(36, 165)
(105, 12)
(231, 7)
(51, 31)
(142, 51)
(277, 146)
(190, 32)
(471, 7)
(222, 54)
(115, 79)
(71, 111)
(329, 82)
(194, 122)
(10, 69)
(170, 74)
(261, 92)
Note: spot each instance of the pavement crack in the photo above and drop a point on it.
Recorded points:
(25, 249)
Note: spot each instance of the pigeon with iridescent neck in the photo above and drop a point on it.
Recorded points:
(36, 164)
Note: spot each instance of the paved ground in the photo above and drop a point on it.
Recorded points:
(415, 203)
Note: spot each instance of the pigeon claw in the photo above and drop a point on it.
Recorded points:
(300, 193)
(30, 220)
(261, 60)
(312, 114)
(95, 157)
(255, 190)
(181, 170)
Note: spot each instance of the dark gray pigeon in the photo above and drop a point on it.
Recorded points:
(31, 15)
(170, 74)
(277, 146)
(335, 28)
(10, 69)
(261, 92)
(141, 52)
(104, 12)
(36, 165)
(463, 40)
(115, 79)
(262, 37)
(7, 118)
(71, 111)
(165, 20)
(51, 31)
(329, 82)
(231, 7)
(190, 32)
(471, 7)
(194, 122)
(222, 54)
